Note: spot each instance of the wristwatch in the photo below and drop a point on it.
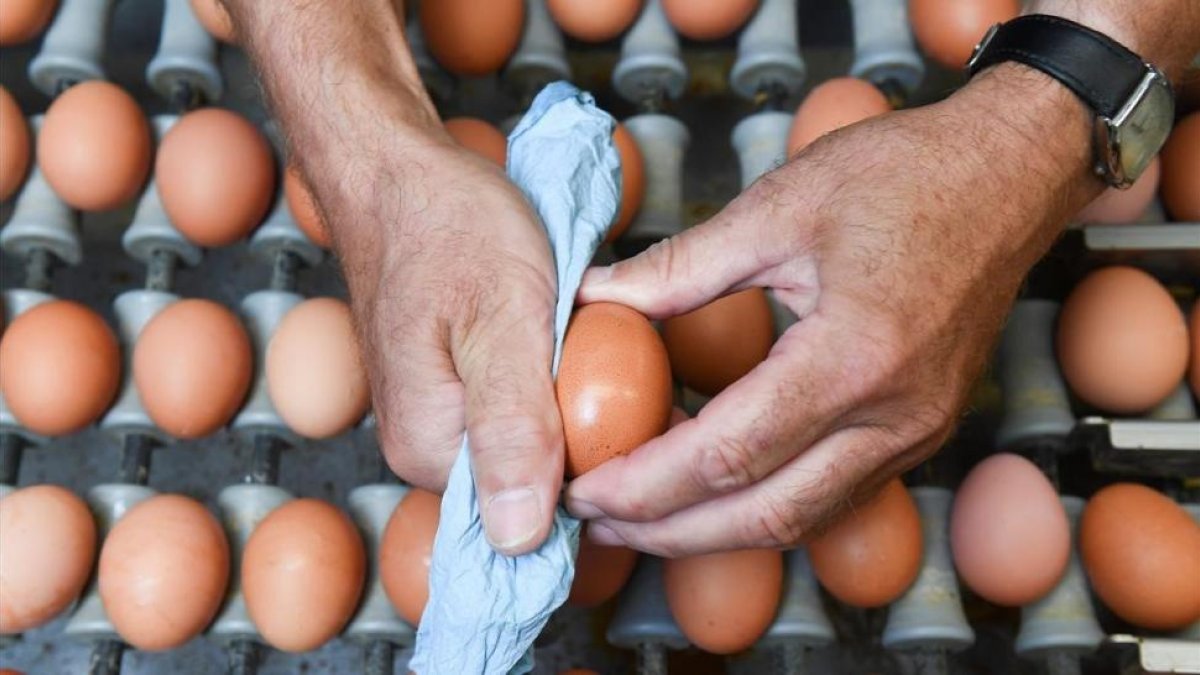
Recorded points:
(1132, 100)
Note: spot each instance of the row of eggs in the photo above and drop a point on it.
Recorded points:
(164, 568)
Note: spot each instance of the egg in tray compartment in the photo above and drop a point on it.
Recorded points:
(188, 465)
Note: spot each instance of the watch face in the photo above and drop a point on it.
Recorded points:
(1143, 127)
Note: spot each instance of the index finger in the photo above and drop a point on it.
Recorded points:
(784, 405)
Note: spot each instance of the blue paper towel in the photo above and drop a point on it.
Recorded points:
(486, 609)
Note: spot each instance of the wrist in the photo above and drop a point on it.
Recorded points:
(1162, 32)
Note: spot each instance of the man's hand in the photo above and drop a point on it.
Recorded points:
(450, 273)
(455, 310)
(900, 243)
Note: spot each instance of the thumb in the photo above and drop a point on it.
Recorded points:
(679, 274)
(513, 425)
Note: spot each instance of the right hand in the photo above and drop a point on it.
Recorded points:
(453, 289)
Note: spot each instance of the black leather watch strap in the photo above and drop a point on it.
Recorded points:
(1097, 68)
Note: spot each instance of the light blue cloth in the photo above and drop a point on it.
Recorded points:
(486, 609)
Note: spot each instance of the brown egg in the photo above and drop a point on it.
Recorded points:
(1117, 207)
(1181, 170)
(708, 19)
(1122, 341)
(14, 145)
(215, 19)
(1009, 532)
(60, 367)
(600, 572)
(948, 30)
(834, 104)
(1194, 370)
(593, 21)
(304, 209)
(23, 20)
(163, 571)
(1142, 552)
(49, 543)
(614, 385)
(469, 37)
(633, 181)
(302, 574)
(873, 554)
(723, 602)
(406, 550)
(712, 347)
(94, 146)
(479, 137)
(315, 375)
(192, 366)
(215, 175)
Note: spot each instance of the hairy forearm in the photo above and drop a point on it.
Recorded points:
(1039, 135)
(341, 81)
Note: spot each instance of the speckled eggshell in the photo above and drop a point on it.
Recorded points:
(613, 386)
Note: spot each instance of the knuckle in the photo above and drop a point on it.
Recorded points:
(637, 507)
(728, 464)
(777, 523)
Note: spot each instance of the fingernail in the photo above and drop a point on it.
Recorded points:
(512, 518)
(583, 510)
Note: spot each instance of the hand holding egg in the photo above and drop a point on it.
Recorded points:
(899, 300)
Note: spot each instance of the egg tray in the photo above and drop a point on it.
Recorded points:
(1099, 451)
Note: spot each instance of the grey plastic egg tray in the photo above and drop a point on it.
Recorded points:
(576, 638)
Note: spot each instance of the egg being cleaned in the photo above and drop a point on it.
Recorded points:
(192, 365)
(302, 574)
(613, 386)
(49, 543)
(1009, 533)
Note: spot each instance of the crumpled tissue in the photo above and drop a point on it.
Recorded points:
(485, 609)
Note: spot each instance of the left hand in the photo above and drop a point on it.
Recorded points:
(900, 243)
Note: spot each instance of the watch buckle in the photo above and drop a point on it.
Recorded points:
(981, 47)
